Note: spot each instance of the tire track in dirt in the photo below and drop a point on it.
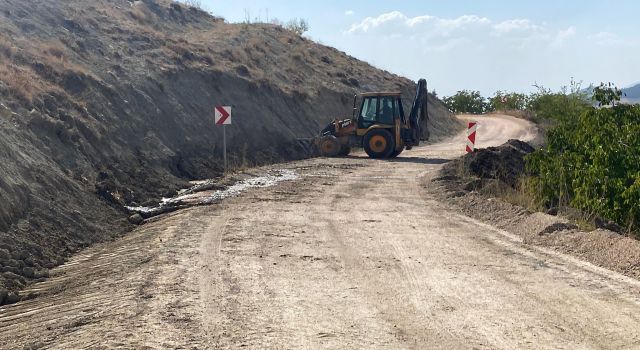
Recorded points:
(403, 305)
(211, 281)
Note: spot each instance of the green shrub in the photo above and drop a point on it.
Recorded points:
(503, 101)
(564, 105)
(466, 101)
(591, 162)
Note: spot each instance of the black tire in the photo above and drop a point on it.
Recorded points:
(379, 143)
(329, 146)
(396, 153)
(345, 150)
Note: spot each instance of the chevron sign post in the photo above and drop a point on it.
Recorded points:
(223, 117)
(471, 136)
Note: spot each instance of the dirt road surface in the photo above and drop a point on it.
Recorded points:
(352, 254)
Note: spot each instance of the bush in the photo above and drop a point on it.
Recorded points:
(558, 106)
(466, 102)
(298, 26)
(503, 101)
(591, 161)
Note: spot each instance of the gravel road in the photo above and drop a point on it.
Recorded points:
(352, 254)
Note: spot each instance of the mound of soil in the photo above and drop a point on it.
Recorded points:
(504, 163)
(107, 103)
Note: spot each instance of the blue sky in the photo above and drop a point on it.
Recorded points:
(485, 45)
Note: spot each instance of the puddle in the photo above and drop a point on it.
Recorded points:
(196, 196)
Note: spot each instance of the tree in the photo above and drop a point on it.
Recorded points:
(466, 101)
(606, 94)
(503, 101)
(566, 104)
(298, 26)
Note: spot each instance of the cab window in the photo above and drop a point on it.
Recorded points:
(387, 110)
(369, 109)
(396, 107)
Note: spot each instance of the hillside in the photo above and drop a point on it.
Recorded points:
(632, 94)
(109, 103)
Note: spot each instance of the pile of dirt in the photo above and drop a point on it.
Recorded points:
(484, 167)
(107, 103)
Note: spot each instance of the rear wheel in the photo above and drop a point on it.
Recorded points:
(379, 143)
(329, 146)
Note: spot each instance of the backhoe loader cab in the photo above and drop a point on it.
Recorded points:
(379, 108)
(379, 125)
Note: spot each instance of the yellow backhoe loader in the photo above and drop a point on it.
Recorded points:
(379, 125)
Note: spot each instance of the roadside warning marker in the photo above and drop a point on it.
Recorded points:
(471, 136)
(223, 115)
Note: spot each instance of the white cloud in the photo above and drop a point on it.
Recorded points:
(514, 25)
(370, 23)
(349, 13)
(462, 21)
(563, 36)
(439, 33)
(412, 22)
(398, 22)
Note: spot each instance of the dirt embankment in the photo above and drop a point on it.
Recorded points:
(107, 103)
(484, 184)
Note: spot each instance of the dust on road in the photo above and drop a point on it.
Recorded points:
(353, 254)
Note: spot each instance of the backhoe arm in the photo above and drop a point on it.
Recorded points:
(419, 116)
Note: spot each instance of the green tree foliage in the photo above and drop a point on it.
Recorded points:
(466, 101)
(558, 106)
(606, 94)
(591, 160)
(503, 101)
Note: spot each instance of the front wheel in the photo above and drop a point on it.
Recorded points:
(396, 153)
(379, 143)
(329, 146)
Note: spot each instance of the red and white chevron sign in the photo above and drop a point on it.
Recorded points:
(223, 115)
(471, 136)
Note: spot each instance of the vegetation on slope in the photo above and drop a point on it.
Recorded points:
(591, 161)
